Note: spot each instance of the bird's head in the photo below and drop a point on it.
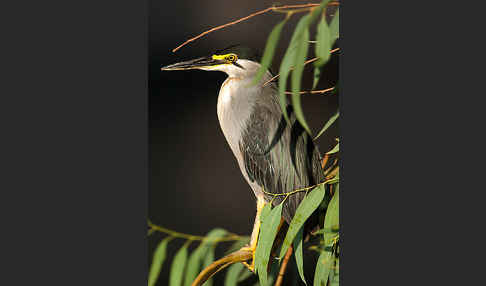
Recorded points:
(236, 61)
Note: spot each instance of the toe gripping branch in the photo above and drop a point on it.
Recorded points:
(243, 255)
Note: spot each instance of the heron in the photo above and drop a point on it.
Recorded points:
(275, 156)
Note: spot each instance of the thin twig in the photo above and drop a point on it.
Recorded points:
(230, 237)
(283, 267)
(291, 68)
(332, 181)
(324, 160)
(246, 18)
(313, 91)
(306, 62)
(293, 11)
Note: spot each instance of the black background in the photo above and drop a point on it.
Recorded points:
(74, 135)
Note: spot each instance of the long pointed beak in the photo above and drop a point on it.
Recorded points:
(204, 62)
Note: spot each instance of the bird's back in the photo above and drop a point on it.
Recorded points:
(278, 157)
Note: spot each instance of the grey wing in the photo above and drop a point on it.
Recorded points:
(280, 157)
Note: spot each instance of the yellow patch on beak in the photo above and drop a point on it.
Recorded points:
(220, 57)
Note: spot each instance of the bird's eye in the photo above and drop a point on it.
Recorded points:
(231, 58)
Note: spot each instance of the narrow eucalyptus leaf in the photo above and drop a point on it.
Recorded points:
(298, 254)
(273, 273)
(331, 221)
(317, 11)
(328, 123)
(334, 28)
(308, 205)
(334, 150)
(265, 211)
(177, 268)
(334, 275)
(232, 274)
(194, 265)
(323, 267)
(269, 50)
(296, 77)
(317, 76)
(326, 230)
(268, 232)
(288, 61)
(208, 260)
(215, 234)
(245, 274)
(199, 256)
(323, 45)
(157, 261)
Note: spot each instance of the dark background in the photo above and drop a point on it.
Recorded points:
(74, 145)
(195, 182)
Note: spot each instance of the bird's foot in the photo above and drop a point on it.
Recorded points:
(252, 249)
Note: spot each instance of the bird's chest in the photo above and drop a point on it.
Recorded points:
(234, 108)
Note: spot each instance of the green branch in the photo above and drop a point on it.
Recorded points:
(172, 233)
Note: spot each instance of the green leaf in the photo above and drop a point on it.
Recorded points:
(268, 232)
(178, 265)
(269, 50)
(194, 265)
(232, 275)
(334, 150)
(295, 56)
(296, 77)
(289, 56)
(326, 230)
(334, 275)
(298, 253)
(196, 258)
(288, 61)
(265, 211)
(209, 247)
(331, 220)
(334, 27)
(317, 76)
(208, 260)
(308, 205)
(214, 234)
(158, 261)
(273, 273)
(317, 11)
(246, 273)
(323, 267)
(323, 45)
(328, 123)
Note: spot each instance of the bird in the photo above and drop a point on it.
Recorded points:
(275, 156)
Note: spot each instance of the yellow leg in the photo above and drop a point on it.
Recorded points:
(254, 234)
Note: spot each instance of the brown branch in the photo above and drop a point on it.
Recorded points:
(283, 267)
(291, 68)
(218, 265)
(324, 160)
(306, 62)
(246, 18)
(332, 173)
(328, 172)
(313, 91)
